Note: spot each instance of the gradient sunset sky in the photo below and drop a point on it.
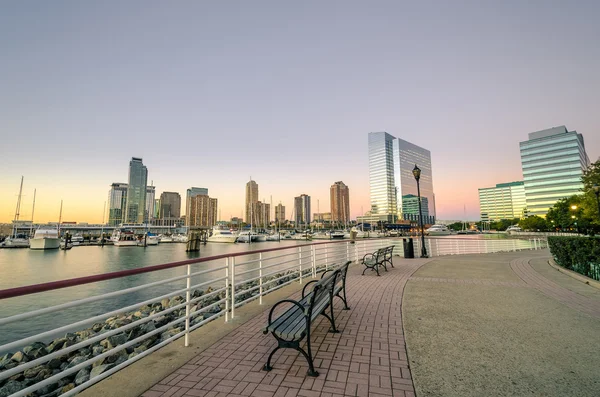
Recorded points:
(210, 94)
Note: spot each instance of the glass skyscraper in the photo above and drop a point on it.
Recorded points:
(504, 201)
(117, 200)
(302, 208)
(553, 162)
(393, 186)
(135, 208)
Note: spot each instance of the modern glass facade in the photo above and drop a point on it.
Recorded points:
(504, 201)
(170, 205)
(150, 197)
(391, 161)
(553, 162)
(117, 200)
(136, 191)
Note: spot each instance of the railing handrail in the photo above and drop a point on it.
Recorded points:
(74, 282)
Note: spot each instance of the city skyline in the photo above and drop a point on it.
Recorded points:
(80, 98)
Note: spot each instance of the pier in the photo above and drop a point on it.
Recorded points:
(448, 325)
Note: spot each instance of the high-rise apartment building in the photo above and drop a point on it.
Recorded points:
(117, 200)
(392, 184)
(503, 201)
(553, 162)
(339, 198)
(170, 205)
(203, 211)
(150, 198)
(135, 209)
(192, 192)
(302, 209)
(261, 214)
(279, 213)
(251, 200)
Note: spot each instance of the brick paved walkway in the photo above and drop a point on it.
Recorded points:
(469, 281)
(368, 356)
(572, 299)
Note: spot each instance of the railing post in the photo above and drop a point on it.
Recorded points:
(313, 252)
(232, 288)
(514, 246)
(226, 289)
(187, 305)
(260, 280)
(326, 262)
(355, 252)
(347, 250)
(300, 262)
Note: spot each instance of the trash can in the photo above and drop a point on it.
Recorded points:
(353, 234)
(409, 248)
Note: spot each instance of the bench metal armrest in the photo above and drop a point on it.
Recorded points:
(266, 330)
(365, 257)
(306, 285)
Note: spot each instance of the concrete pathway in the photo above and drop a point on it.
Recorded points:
(368, 356)
(493, 325)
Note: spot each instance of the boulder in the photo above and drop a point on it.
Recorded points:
(67, 388)
(100, 369)
(32, 372)
(54, 363)
(46, 390)
(114, 357)
(19, 357)
(85, 334)
(10, 387)
(82, 376)
(97, 350)
(97, 327)
(165, 303)
(56, 345)
(77, 360)
(70, 336)
(116, 340)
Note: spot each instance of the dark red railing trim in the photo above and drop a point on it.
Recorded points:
(73, 282)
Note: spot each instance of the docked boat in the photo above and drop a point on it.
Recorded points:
(438, 230)
(124, 238)
(65, 246)
(45, 239)
(222, 235)
(165, 238)
(180, 238)
(337, 234)
(513, 229)
(77, 240)
(247, 236)
(15, 242)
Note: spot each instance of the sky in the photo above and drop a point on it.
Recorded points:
(211, 94)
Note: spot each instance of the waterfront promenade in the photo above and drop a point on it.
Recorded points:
(492, 324)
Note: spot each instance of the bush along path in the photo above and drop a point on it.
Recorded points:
(200, 310)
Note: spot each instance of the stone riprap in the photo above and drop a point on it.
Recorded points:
(55, 366)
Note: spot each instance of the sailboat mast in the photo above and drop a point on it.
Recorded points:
(18, 209)
(32, 212)
(60, 217)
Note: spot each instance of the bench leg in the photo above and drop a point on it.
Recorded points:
(333, 329)
(343, 298)
(296, 346)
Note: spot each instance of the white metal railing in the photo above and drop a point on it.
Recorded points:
(232, 280)
(461, 246)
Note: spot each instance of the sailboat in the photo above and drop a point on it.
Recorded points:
(16, 241)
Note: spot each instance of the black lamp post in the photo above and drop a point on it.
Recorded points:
(417, 174)
(596, 189)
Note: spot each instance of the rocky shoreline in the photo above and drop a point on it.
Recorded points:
(101, 346)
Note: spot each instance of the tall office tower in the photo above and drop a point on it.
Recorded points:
(302, 209)
(553, 162)
(251, 200)
(391, 161)
(279, 213)
(410, 208)
(150, 197)
(203, 211)
(157, 208)
(339, 198)
(262, 216)
(192, 192)
(504, 201)
(136, 191)
(170, 206)
(117, 200)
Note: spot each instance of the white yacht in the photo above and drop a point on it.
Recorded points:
(222, 235)
(165, 238)
(45, 239)
(513, 229)
(15, 242)
(438, 230)
(246, 236)
(77, 240)
(337, 234)
(124, 238)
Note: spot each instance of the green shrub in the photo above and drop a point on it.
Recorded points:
(580, 254)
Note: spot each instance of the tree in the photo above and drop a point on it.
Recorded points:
(534, 223)
(591, 177)
(456, 226)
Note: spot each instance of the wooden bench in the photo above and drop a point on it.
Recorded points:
(381, 257)
(293, 325)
